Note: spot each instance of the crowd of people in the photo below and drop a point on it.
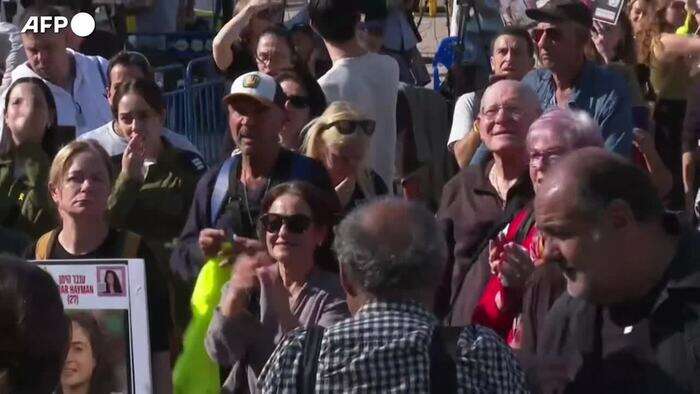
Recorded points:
(560, 253)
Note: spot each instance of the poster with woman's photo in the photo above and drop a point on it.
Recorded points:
(105, 301)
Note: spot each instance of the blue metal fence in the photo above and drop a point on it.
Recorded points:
(196, 110)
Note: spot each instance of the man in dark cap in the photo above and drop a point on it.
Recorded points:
(567, 80)
(631, 319)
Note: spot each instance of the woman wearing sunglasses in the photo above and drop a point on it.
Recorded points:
(305, 101)
(275, 291)
(339, 139)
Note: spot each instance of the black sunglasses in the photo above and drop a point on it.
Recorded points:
(299, 101)
(297, 224)
(553, 34)
(347, 127)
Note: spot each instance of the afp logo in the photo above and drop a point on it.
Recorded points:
(82, 24)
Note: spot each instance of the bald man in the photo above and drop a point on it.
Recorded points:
(630, 321)
(481, 199)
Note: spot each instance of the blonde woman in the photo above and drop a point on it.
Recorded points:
(80, 181)
(339, 139)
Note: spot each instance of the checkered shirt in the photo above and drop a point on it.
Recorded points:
(385, 349)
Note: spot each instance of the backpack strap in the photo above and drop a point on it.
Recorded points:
(525, 228)
(306, 380)
(221, 185)
(130, 245)
(443, 359)
(45, 244)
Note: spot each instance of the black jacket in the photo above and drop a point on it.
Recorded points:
(652, 346)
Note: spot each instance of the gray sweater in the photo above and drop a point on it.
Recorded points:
(245, 342)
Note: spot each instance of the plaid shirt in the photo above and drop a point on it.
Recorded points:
(385, 349)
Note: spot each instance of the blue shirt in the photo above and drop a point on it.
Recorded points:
(600, 92)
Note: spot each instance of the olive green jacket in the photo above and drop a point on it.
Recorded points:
(157, 208)
(25, 203)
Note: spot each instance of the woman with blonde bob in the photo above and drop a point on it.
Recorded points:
(80, 181)
(340, 139)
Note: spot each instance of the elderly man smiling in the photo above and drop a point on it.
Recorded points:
(478, 198)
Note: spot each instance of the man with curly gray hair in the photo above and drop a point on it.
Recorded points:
(391, 256)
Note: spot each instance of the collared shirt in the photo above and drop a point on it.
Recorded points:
(602, 93)
(86, 107)
(470, 207)
(385, 349)
(648, 346)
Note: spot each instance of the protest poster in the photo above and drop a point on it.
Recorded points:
(607, 11)
(106, 303)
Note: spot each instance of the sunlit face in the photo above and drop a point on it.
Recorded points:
(298, 110)
(585, 248)
(80, 363)
(504, 119)
(343, 161)
(285, 245)
(558, 44)
(273, 55)
(84, 188)
(46, 54)
(27, 114)
(254, 127)
(121, 74)
(545, 148)
(639, 15)
(136, 117)
(510, 57)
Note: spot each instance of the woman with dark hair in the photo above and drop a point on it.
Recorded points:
(34, 332)
(112, 283)
(88, 368)
(273, 292)
(305, 101)
(28, 142)
(153, 192)
(235, 45)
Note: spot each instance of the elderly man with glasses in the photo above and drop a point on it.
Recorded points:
(480, 200)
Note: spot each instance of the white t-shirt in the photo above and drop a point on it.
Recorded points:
(115, 144)
(87, 108)
(463, 118)
(370, 83)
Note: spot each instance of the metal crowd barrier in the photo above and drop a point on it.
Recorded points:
(196, 110)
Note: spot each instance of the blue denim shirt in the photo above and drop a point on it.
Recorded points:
(600, 92)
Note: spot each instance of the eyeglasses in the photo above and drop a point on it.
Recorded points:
(297, 224)
(537, 159)
(514, 113)
(269, 57)
(347, 127)
(553, 33)
(299, 102)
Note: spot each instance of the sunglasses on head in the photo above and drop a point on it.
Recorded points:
(346, 127)
(297, 224)
(300, 102)
(553, 33)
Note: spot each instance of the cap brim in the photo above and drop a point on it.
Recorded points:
(232, 98)
(543, 16)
